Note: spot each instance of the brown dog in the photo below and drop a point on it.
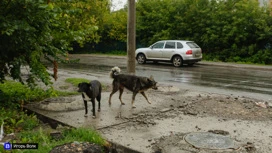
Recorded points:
(136, 84)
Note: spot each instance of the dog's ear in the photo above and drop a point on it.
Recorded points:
(151, 78)
(79, 85)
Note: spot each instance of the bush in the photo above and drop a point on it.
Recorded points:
(14, 94)
(46, 143)
(262, 56)
(16, 121)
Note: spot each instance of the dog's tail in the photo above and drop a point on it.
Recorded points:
(114, 71)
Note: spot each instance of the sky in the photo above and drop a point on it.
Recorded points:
(118, 4)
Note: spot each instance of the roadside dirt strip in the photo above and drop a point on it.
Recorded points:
(173, 114)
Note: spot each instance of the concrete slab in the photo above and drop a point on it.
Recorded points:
(173, 111)
(72, 112)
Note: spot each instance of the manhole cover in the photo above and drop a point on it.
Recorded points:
(209, 140)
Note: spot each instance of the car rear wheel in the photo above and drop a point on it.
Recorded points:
(177, 61)
(141, 59)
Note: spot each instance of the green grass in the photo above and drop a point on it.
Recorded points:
(17, 121)
(76, 81)
(115, 52)
(13, 95)
(46, 143)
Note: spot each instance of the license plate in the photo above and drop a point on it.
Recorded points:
(197, 54)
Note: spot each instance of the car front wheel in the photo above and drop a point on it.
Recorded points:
(141, 59)
(177, 61)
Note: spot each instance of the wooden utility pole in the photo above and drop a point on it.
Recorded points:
(131, 32)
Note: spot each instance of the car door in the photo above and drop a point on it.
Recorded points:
(155, 51)
(169, 50)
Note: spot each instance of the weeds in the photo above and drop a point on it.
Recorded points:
(46, 143)
(13, 95)
(16, 121)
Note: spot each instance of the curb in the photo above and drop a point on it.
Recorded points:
(244, 66)
(114, 147)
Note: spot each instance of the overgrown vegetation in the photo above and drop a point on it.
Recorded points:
(46, 142)
(17, 121)
(226, 30)
(34, 30)
(76, 81)
(13, 95)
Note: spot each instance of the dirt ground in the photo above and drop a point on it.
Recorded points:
(181, 111)
(240, 118)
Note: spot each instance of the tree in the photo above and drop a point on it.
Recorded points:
(31, 31)
(153, 20)
(226, 30)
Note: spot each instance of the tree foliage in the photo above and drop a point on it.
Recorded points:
(31, 31)
(115, 26)
(227, 30)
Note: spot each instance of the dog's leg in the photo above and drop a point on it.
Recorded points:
(133, 99)
(86, 108)
(93, 103)
(85, 105)
(121, 90)
(98, 98)
(145, 97)
(111, 96)
(115, 88)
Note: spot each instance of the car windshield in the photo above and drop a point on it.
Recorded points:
(192, 45)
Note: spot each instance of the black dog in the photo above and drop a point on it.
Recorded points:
(90, 91)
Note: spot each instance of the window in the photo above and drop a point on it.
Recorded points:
(192, 45)
(158, 45)
(170, 45)
(179, 45)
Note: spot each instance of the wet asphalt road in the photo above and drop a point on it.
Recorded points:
(235, 79)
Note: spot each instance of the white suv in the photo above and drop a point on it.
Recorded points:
(178, 52)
